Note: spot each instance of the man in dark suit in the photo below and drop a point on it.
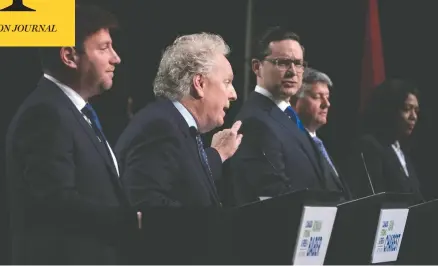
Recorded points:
(162, 158)
(275, 156)
(312, 104)
(166, 169)
(66, 202)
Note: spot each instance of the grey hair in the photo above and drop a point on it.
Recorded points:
(187, 56)
(310, 77)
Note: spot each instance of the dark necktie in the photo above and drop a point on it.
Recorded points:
(89, 112)
(294, 117)
(203, 155)
(204, 158)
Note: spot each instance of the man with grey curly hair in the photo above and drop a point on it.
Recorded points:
(162, 158)
(311, 103)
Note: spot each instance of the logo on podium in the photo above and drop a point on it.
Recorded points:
(389, 235)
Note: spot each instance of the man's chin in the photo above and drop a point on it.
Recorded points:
(290, 91)
(106, 87)
(322, 120)
(220, 123)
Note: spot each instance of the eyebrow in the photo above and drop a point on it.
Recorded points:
(287, 57)
(411, 106)
(104, 43)
(319, 93)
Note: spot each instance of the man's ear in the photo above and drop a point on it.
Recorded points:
(69, 57)
(255, 63)
(198, 90)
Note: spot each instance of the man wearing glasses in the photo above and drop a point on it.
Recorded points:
(276, 155)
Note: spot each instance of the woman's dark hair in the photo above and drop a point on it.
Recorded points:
(382, 110)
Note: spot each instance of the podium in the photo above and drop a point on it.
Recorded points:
(182, 236)
(418, 245)
(354, 232)
(266, 232)
(271, 231)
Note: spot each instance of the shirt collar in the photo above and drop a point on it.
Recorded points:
(191, 122)
(282, 104)
(312, 134)
(77, 100)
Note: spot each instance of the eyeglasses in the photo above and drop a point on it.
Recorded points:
(286, 63)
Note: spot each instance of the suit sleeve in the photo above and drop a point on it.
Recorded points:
(259, 161)
(215, 161)
(151, 166)
(46, 146)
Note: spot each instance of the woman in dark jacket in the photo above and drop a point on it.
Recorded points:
(380, 160)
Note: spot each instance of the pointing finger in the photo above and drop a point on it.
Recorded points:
(236, 126)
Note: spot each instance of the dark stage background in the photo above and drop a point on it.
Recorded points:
(331, 31)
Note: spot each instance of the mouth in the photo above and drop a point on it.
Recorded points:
(225, 109)
(288, 83)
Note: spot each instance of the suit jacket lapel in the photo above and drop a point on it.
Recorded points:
(303, 137)
(336, 174)
(190, 140)
(85, 126)
(275, 112)
(327, 169)
(396, 160)
(321, 168)
(97, 144)
(412, 178)
(331, 173)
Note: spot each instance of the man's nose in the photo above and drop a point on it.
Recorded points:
(232, 95)
(115, 59)
(325, 103)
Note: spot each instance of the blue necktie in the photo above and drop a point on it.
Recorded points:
(95, 123)
(321, 147)
(294, 117)
(89, 112)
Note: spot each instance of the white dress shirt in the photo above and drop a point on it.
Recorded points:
(186, 114)
(80, 103)
(401, 157)
(282, 104)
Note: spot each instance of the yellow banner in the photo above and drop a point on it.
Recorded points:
(37, 23)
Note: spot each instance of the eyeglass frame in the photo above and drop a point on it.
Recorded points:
(298, 67)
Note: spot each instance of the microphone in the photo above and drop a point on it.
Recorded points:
(277, 171)
(368, 174)
(269, 161)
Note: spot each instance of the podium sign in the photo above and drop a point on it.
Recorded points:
(314, 235)
(389, 235)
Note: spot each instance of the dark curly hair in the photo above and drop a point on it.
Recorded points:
(382, 110)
